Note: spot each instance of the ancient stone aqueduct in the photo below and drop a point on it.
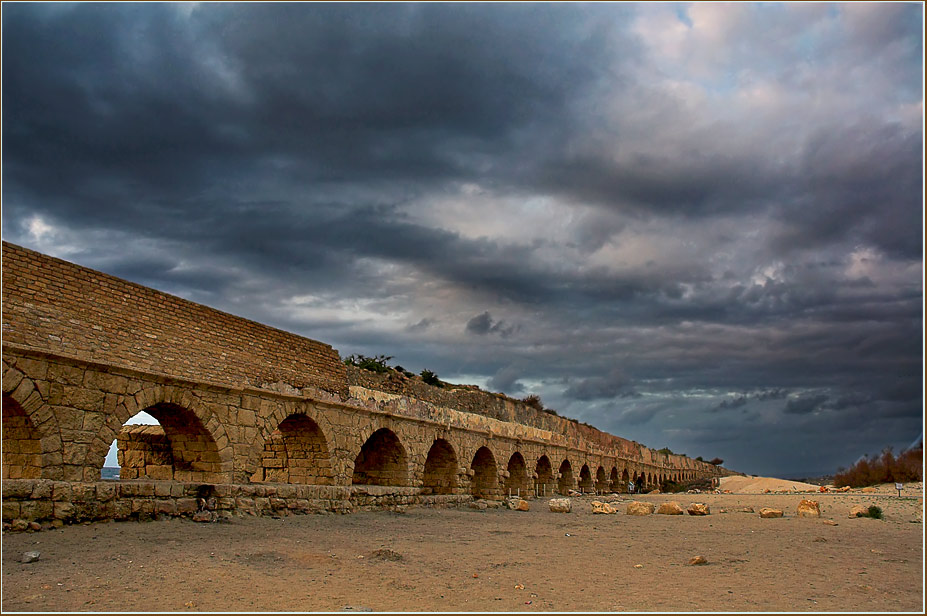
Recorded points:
(253, 419)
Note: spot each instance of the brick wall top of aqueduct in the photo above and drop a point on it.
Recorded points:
(58, 307)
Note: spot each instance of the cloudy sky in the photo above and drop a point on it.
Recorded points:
(695, 226)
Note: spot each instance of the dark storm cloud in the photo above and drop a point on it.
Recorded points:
(483, 324)
(728, 207)
(612, 385)
(805, 404)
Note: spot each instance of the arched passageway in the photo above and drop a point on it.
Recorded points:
(517, 481)
(544, 484)
(585, 479)
(614, 480)
(625, 480)
(22, 447)
(440, 469)
(296, 452)
(178, 448)
(485, 480)
(565, 483)
(382, 461)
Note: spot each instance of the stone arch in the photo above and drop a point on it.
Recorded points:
(585, 479)
(30, 435)
(190, 422)
(566, 482)
(517, 480)
(382, 461)
(614, 480)
(601, 480)
(22, 447)
(296, 452)
(545, 476)
(179, 448)
(440, 476)
(251, 466)
(485, 480)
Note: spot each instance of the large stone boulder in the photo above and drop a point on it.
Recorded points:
(598, 507)
(560, 505)
(699, 509)
(671, 508)
(639, 508)
(809, 509)
(517, 504)
(769, 512)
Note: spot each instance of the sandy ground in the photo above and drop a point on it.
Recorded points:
(494, 560)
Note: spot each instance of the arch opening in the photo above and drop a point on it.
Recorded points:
(585, 479)
(614, 481)
(485, 480)
(517, 481)
(440, 469)
(544, 484)
(296, 452)
(178, 447)
(22, 447)
(382, 461)
(565, 483)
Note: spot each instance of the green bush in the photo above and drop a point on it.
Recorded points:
(373, 364)
(874, 512)
(430, 378)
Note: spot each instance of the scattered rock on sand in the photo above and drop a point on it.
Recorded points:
(869, 490)
(769, 512)
(478, 504)
(698, 560)
(859, 511)
(205, 516)
(30, 557)
(809, 509)
(746, 510)
(671, 508)
(699, 509)
(829, 522)
(517, 504)
(19, 525)
(639, 508)
(598, 507)
(560, 505)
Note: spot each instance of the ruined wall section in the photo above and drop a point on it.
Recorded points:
(472, 400)
(58, 307)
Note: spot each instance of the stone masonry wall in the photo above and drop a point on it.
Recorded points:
(55, 306)
(144, 453)
(44, 500)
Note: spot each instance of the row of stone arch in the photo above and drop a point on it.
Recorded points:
(298, 452)
(295, 448)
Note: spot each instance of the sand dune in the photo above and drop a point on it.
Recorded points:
(758, 485)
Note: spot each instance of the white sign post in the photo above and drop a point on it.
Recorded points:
(899, 487)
